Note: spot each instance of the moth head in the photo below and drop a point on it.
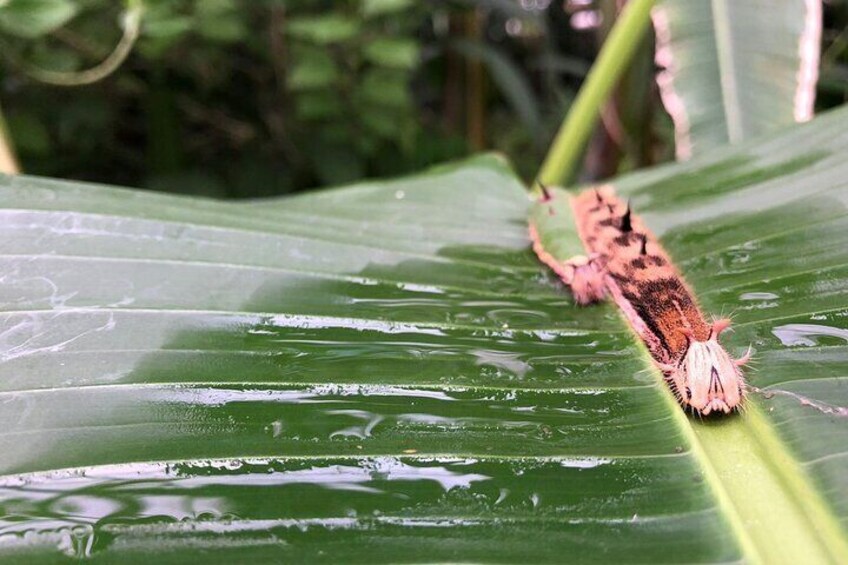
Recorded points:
(707, 378)
(585, 277)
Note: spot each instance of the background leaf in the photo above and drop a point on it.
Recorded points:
(384, 372)
(323, 30)
(315, 69)
(509, 79)
(374, 8)
(393, 52)
(735, 70)
(33, 18)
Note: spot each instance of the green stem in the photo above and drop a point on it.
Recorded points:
(132, 28)
(615, 54)
(8, 161)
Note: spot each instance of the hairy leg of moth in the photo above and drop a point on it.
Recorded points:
(659, 305)
(586, 276)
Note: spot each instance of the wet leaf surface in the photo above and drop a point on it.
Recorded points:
(385, 373)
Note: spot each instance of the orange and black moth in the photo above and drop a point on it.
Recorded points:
(623, 259)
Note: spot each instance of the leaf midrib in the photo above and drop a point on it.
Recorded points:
(727, 70)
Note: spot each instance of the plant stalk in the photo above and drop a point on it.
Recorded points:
(616, 52)
(131, 21)
(8, 161)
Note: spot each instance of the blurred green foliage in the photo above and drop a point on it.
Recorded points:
(833, 76)
(238, 98)
(234, 98)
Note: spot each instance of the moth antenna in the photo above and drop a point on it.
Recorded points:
(745, 358)
(546, 194)
(644, 249)
(719, 326)
(626, 225)
(729, 316)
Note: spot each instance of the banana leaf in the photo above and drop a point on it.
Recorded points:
(385, 373)
(731, 71)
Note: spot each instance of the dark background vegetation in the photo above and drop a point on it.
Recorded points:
(240, 99)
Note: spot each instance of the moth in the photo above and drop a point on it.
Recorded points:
(626, 261)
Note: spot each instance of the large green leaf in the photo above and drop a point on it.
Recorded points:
(732, 70)
(34, 18)
(385, 373)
